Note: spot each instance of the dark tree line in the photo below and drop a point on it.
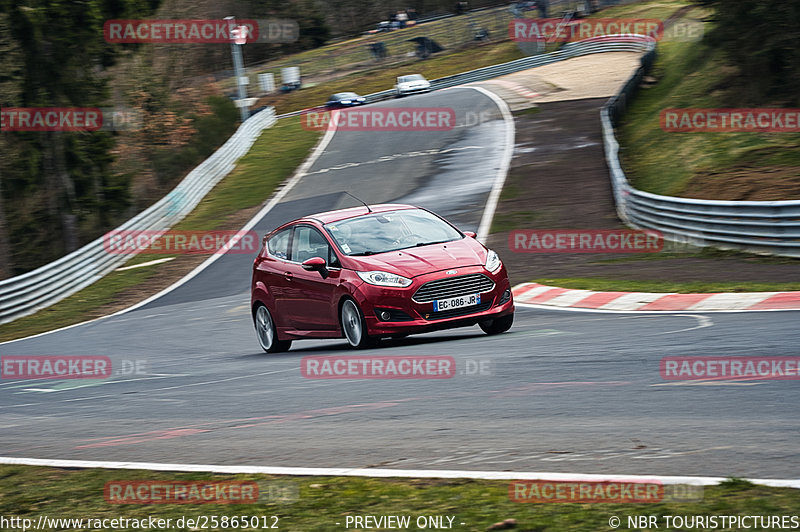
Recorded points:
(55, 187)
(60, 190)
(761, 38)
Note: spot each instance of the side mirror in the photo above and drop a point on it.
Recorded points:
(314, 264)
(470, 234)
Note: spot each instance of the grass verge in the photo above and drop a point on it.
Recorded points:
(658, 9)
(626, 285)
(696, 75)
(383, 78)
(331, 59)
(319, 503)
(273, 158)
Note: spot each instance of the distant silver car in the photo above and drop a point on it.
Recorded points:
(411, 84)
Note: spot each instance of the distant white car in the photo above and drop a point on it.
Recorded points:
(411, 84)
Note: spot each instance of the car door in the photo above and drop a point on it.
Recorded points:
(271, 270)
(312, 307)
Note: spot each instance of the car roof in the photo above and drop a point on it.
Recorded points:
(354, 212)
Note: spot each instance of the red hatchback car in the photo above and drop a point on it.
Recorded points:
(371, 272)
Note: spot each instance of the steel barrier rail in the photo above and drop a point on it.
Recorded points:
(25, 294)
(48, 284)
(764, 227)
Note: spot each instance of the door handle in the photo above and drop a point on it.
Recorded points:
(288, 275)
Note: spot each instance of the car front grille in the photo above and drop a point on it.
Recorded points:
(463, 285)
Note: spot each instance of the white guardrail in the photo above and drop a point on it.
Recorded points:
(764, 227)
(48, 284)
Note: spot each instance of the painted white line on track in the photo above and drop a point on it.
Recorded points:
(94, 384)
(143, 264)
(708, 383)
(155, 390)
(323, 143)
(702, 322)
(505, 163)
(389, 473)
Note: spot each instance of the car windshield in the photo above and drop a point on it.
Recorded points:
(412, 77)
(345, 95)
(389, 231)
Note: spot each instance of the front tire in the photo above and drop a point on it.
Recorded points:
(267, 333)
(497, 325)
(354, 326)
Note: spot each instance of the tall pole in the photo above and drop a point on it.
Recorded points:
(238, 69)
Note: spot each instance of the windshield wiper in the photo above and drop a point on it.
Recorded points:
(418, 244)
(363, 253)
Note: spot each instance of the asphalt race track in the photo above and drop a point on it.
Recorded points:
(563, 391)
(381, 167)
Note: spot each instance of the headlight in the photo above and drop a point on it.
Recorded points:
(379, 278)
(492, 261)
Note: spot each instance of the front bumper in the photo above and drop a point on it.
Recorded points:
(344, 105)
(407, 316)
(413, 91)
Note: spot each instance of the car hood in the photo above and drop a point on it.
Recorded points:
(412, 262)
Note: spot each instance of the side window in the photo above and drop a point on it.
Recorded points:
(308, 243)
(278, 245)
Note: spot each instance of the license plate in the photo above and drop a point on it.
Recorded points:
(456, 302)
